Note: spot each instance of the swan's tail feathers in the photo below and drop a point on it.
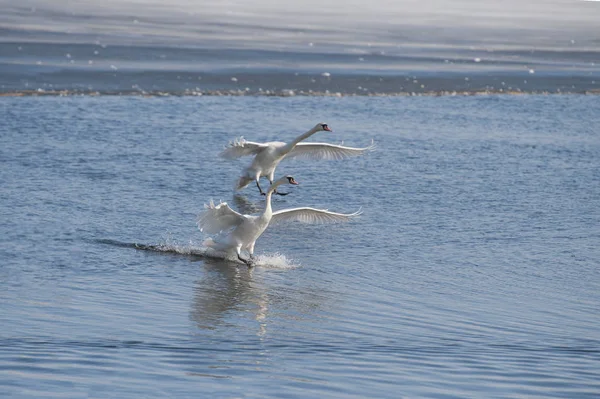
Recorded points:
(243, 182)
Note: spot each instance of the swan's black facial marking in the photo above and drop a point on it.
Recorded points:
(326, 128)
(291, 180)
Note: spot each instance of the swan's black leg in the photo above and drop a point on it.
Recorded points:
(260, 189)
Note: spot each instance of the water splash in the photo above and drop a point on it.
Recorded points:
(276, 261)
(168, 245)
(266, 261)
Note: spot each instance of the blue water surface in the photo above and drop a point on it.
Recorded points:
(473, 271)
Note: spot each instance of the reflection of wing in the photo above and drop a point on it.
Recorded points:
(218, 218)
(311, 215)
(326, 151)
(240, 147)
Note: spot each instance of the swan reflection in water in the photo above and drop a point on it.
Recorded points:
(229, 293)
(226, 288)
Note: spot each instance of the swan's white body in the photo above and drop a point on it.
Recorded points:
(268, 155)
(247, 228)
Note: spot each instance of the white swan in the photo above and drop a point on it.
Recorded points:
(268, 155)
(247, 228)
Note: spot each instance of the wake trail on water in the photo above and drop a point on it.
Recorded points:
(267, 261)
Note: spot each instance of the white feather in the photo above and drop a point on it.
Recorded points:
(312, 216)
(240, 147)
(318, 151)
(217, 218)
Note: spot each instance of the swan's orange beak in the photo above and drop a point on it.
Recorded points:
(293, 181)
(327, 128)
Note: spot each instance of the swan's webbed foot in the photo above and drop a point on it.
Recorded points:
(248, 262)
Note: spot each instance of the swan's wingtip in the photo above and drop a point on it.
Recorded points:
(211, 204)
(228, 150)
(238, 141)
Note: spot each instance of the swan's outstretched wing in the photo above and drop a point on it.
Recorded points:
(241, 147)
(312, 215)
(326, 151)
(216, 218)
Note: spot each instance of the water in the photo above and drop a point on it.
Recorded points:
(473, 271)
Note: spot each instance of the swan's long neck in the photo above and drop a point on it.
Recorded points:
(290, 146)
(268, 209)
(270, 191)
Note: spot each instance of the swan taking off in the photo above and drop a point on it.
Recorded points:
(247, 228)
(268, 155)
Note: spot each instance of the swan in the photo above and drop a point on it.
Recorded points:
(268, 155)
(247, 228)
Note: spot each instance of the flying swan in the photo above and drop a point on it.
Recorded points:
(247, 228)
(268, 155)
